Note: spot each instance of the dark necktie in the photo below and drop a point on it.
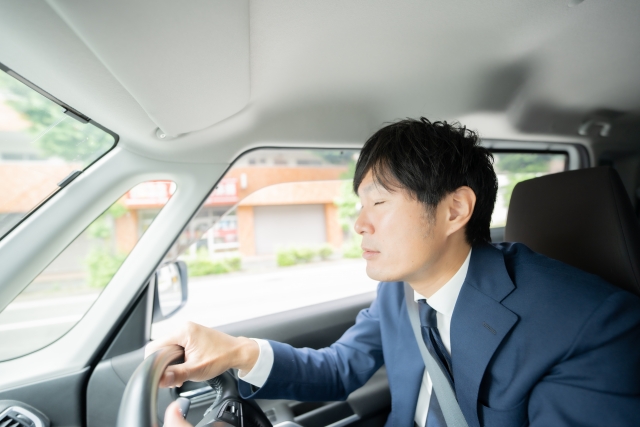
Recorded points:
(434, 344)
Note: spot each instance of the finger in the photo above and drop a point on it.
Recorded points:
(175, 375)
(179, 337)
(173, 417)
(156, 345)
(167, 380)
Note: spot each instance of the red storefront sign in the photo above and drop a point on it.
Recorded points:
(225, 193)
(157, 193)
(149, 194)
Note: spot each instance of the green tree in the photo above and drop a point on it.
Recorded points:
(347, 203)
(522, 162)
(335, 157)
(54, 133)
(104, 259)
(521, 167)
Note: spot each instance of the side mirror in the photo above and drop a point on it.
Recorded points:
(171, 291)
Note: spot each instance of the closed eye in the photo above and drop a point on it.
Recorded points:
(378, 203)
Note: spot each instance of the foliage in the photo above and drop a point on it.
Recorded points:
(234, 263)
(334, 157)
(285, 257)
(102, 227)
(521, 167)
(294, 255)
(102, 262)
(288, 256)
(102, 265)
(304, 254)
(522, 163)
(347, 203)
(55, 134)
(350, 172)
(203, 265)
(325, 251)
(352, 249)
(514, 179)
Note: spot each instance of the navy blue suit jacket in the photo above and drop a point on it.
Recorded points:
(533, 341)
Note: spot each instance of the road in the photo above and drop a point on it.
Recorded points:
(213, 300)
(218, 300)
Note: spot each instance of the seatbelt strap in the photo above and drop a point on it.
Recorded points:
(446, 396)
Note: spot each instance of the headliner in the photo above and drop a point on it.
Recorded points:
(226, 75)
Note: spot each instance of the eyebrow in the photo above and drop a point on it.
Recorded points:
(370, 187)
(366, 189)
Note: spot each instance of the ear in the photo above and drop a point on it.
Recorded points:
(460, 208)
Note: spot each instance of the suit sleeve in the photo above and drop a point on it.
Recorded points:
(598, 382)
(330, 373)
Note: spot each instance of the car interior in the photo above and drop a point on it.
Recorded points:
(206, 148)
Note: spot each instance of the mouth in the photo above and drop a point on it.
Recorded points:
(368, 253)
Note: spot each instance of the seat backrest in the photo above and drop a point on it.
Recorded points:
(583, 218)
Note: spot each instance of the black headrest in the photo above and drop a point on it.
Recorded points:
(583, 218)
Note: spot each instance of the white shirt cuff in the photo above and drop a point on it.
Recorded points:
(261, 370)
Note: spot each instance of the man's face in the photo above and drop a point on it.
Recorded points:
(401, 241)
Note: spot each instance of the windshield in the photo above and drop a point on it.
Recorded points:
(43, 145)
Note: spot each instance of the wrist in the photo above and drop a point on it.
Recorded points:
(247, 354)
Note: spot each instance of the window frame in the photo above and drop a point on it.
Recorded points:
(75, 114)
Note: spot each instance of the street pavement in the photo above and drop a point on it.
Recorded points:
(26, 326)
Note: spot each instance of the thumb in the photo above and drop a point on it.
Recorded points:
(173, 417)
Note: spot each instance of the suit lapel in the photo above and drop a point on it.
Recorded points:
(479, 324)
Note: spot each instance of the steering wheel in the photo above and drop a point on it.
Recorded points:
(139, 402)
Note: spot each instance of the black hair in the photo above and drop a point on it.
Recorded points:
(430, 161)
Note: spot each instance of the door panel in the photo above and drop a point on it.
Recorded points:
(60, 399)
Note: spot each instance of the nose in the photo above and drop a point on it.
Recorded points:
(362, 224)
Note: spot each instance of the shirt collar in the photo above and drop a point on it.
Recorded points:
(444, 299)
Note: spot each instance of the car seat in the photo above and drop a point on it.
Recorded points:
(583, 218)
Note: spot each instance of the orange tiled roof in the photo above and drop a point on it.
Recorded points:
(295, 193)
(25, 184)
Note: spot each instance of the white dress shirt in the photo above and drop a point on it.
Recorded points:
(443, 302)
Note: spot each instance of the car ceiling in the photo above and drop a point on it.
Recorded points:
(221, 76)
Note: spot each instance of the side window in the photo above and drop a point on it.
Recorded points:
(275, 234)
(63, 292)
(43, 145)
(514, 167)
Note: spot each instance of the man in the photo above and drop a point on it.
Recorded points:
(524, 339)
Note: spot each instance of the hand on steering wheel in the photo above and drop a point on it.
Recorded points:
(203, 355)
(207, 354)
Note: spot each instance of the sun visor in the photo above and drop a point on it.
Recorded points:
(143, 45)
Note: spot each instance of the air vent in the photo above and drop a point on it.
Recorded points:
(18, 417)
(13, 419)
